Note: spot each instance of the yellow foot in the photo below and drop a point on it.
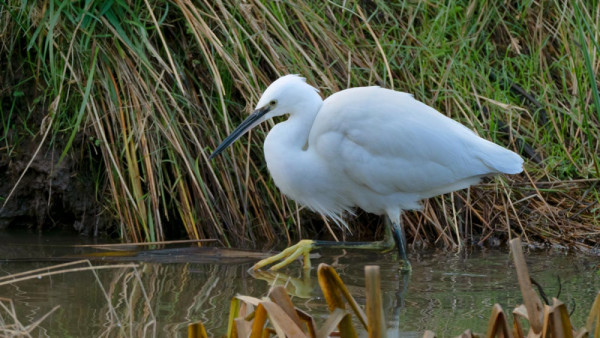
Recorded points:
(405, 266)
(288, 255)
(387, 247)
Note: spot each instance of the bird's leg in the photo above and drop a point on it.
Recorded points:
(304, 247)
(386, 244)
(389, 240)
(393, 234)
(400, 239)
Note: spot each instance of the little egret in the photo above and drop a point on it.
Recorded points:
(367, 147)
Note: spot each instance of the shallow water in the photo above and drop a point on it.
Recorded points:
(446, 292)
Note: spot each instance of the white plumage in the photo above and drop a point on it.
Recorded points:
(367, 147)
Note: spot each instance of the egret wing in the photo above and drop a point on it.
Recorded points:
(390, 142)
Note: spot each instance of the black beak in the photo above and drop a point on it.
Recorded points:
(248, 124)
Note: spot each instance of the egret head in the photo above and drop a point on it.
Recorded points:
(283, 96)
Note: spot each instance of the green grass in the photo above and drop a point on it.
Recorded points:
(146, 89)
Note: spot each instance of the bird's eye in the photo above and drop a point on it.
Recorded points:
(272, 103)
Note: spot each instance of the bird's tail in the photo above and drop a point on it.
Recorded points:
(501, 160)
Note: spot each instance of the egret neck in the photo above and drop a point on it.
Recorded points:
(288, 138)
(286, 144)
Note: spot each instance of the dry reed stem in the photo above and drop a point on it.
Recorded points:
(532, 302)
(374, 307)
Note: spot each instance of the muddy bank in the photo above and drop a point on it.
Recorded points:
(50, 195)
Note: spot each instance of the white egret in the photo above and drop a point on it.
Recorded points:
(367, 147)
